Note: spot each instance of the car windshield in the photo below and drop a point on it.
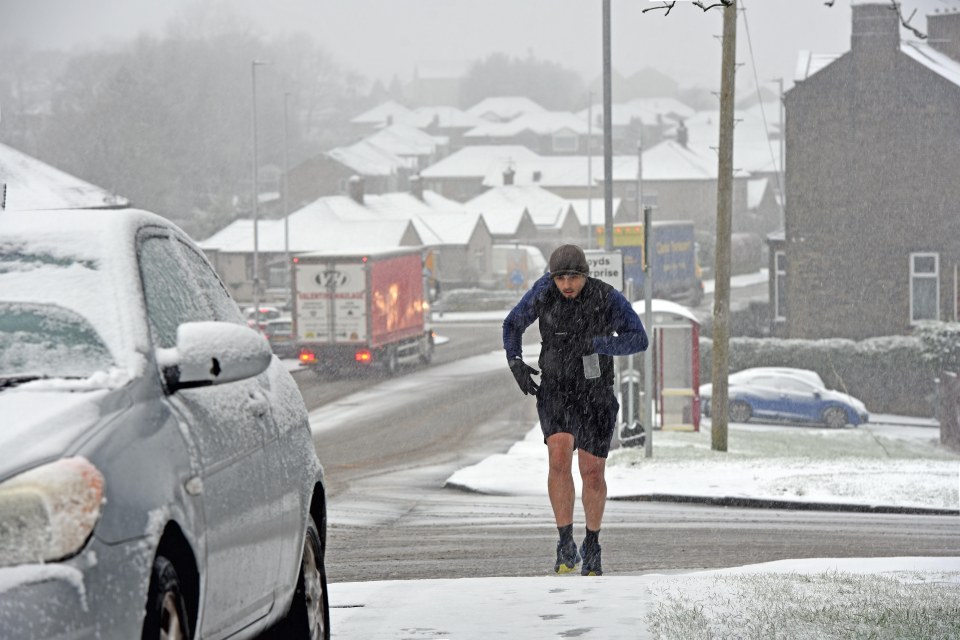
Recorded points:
(47, 341)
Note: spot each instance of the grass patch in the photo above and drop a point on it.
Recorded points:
(819, 606)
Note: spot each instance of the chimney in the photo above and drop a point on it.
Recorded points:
(875, 31)
(416, 187)
(508, 176)
(356, 189)
(682, 135)
(943, 31)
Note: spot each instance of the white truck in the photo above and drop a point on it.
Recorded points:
(361, 309)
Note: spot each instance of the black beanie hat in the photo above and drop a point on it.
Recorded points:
(568, 258)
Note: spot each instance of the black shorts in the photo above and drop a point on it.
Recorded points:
(589, 417)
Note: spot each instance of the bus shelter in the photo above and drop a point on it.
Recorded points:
(675, 341)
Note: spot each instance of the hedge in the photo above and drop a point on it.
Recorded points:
(892, 374)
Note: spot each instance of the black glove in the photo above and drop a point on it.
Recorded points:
(523, 373)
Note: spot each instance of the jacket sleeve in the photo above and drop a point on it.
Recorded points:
(631, 336)
(521, 317)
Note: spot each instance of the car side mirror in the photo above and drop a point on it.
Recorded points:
(211, 353)
(817, 395)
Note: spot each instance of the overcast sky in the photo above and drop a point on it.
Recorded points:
(382, 38)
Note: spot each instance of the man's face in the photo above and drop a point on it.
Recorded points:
(570, 284)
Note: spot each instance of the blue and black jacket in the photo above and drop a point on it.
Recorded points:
(599, 320)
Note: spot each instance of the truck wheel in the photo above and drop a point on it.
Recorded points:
(393, 361)
(426, 350)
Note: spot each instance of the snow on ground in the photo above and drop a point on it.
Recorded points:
(874, 465)
(892, 461)
(812, 598)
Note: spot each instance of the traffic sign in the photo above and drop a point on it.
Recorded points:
(606, 266)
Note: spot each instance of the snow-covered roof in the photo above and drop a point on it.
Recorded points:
(943, 65)
(443, 117)
(438, 220)
(671, 160)
(546, 209)
(756, 188)
(335, 221)
(504, 108)
(808, 63)
(648, 110)
(505, 221)
(591, 211)
(940, 63)
(32, 184)
(404, 140)
(369, 159)
(563, 171)
(380, 113)
(318, 226)
(541, 123)
(478, 160)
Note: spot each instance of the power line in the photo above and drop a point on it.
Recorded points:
(763, 113)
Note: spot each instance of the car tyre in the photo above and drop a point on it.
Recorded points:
(835, 417)
(166, 615)
(739, 411)
(309, 615)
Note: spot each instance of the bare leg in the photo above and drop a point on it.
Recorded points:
(594, 488)
(560, 477)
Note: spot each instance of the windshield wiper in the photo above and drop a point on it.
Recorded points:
(12, 381)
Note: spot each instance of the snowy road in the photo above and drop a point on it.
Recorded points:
(389, 449)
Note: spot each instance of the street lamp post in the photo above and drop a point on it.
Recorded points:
(256, 197)
(286, 210)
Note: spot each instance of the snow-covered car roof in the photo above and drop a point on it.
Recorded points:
(83, 261)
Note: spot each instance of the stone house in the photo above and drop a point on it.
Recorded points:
(871, 243)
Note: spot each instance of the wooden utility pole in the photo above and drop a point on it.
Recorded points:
(721, 293)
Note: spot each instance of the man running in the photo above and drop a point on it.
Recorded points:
(583, 323)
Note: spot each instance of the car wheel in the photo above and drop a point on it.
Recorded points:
(835, 417)
(309, 615)
(739, 411)
(166, 615)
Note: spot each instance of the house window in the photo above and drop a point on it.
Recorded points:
(924, 287)
(780, 286)
(565, 141)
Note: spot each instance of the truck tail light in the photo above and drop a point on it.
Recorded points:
(363, 356)
(307, 357)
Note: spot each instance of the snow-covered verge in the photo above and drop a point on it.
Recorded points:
(874, 465)
(788, 600)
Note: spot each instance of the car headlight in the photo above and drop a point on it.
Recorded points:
(48, 513)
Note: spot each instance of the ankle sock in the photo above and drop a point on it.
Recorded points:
(566, 533)
(592, 539)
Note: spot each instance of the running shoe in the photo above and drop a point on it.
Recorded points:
(567, 557)
(591, 560)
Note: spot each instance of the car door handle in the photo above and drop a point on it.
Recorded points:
(257, 405)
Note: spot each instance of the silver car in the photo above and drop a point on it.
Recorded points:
(158, 478)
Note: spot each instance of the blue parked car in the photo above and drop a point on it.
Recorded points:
(780, 394)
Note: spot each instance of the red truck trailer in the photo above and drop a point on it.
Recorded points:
(363, 308)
